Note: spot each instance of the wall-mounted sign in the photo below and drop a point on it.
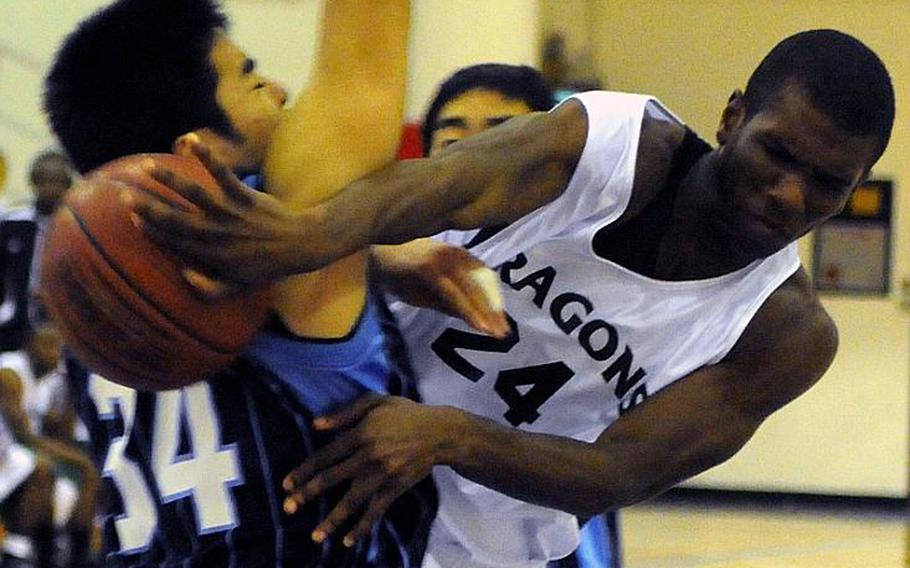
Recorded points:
(853, 249)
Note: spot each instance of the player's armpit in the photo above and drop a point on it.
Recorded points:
(345, 123)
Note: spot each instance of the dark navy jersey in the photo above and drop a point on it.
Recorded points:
(194, 475)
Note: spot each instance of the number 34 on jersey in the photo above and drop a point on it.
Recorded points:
(187, 460)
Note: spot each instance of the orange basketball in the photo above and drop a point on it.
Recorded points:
(120, 301)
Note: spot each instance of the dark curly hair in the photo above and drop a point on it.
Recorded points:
(133, 77)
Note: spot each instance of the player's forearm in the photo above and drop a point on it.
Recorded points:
(401, 202)
(358, 86)
(381, 208)
(368, 41)
(494, 177)
(546, 470)
(577, 477)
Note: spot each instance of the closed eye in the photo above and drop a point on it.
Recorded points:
(780, 153)
(497, 120)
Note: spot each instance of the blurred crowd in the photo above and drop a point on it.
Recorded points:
(48, 483)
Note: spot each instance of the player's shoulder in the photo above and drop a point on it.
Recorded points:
(664, 143)
(791, 335)
(627, 126)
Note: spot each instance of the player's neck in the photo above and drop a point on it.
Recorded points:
(698, 243)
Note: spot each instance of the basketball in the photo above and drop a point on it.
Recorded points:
(121, 302)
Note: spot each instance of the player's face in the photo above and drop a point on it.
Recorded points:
(785, 171)
(473, 112)
(252, 103)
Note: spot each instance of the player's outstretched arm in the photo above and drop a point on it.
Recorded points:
(493, 177)
(690, 426)
(347, 120)
(345, 123)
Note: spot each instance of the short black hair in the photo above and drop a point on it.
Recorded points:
(518, 82)
(133, 77)
(843, 77)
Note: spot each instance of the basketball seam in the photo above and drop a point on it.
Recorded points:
(132, 285)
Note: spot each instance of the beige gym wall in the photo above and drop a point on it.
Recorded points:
(445, 36)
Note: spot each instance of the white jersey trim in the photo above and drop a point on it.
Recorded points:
(600, 187)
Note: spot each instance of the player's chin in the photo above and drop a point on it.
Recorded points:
(763, 241)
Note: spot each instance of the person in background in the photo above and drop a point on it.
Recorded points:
(50, 177)
(27, 484)
(42, 418)
(479, 97)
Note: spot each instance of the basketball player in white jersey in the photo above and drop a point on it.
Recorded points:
(664, 312)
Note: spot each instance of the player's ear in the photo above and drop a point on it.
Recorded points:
(733, 116)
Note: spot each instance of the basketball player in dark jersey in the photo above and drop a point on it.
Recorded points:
(195, 474)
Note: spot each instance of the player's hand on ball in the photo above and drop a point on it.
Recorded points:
(389, 445)
(448, 279)
(245, 238)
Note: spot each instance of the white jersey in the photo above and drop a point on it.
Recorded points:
(591, 339)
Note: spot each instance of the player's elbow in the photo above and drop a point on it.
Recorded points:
(681, 462)
(825, 339)
(723, 445)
